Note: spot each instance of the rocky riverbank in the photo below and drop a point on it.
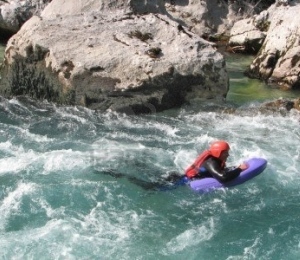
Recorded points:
(143, 57)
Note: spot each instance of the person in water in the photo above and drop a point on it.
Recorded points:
(212, 163)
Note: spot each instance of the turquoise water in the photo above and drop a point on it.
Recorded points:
(60, 198)
(244, 90)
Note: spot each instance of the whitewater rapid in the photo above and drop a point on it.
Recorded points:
(58, 202)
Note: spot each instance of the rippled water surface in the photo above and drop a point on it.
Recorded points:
(244, 90)
(66, 189)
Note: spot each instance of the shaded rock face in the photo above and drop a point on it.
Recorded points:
(113, 59)
(14, 13)
(213, 19)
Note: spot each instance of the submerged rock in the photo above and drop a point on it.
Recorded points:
(283, 104)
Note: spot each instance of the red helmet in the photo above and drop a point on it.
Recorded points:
(216, 148)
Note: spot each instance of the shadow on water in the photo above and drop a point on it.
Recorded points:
(171, 181)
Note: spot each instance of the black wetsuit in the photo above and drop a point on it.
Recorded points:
(161, 184)
(212, 167)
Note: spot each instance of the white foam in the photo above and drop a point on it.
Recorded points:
(62, 160)
(13, 199)
(191, 238)
(18, 161)
(34, 137)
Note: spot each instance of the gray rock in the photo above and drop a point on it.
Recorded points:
(279, 58)
(14, 13)
(245, 36)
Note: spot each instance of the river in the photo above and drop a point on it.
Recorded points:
(66, 189)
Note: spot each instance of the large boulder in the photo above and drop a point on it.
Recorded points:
(110, 55)
(279, 58)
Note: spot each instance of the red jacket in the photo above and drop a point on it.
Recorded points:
(193, 170)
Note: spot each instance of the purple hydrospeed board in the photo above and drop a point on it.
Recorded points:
(256, 166)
